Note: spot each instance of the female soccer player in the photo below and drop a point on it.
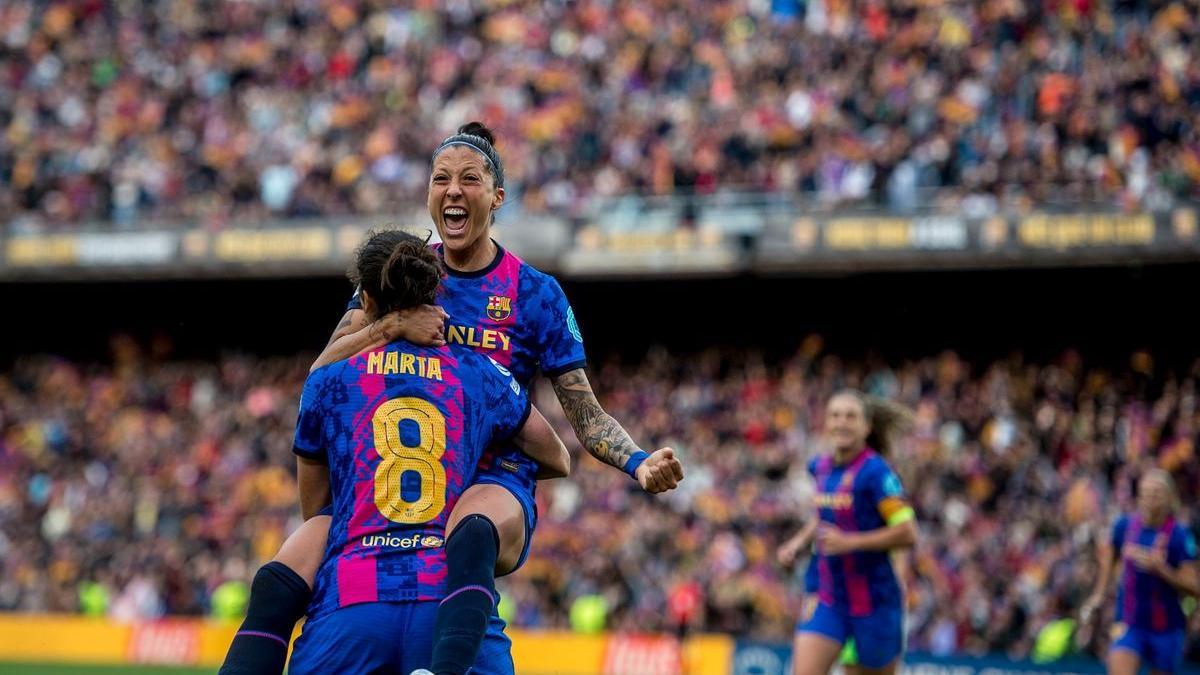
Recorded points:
(862, 516)
(389, 440)
(502, 307)
(1159, 557)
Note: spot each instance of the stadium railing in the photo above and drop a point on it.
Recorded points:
(726, 233)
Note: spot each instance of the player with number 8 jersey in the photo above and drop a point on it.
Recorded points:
(402, 429)
(520, 318)
(495, 304)
(392, 438)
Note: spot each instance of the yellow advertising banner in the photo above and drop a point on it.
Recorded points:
(199, 642)
(66, 639)
(282, 245)
(60, 249)
(1071, 231)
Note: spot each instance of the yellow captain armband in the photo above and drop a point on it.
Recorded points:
(902, 515)
(895, 510)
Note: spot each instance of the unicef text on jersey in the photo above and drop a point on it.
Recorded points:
(403, 543)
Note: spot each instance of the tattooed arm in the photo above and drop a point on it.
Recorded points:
(351, 321)
(606, 440)
(352, 332)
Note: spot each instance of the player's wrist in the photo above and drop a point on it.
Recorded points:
(391, 326)
(634, 462)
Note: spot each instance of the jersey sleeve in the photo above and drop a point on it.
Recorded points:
(1116, 538)
(309, 440)
(1182, 548)
(888, 495)
(559, 340)
(355, 300)
(507, 402)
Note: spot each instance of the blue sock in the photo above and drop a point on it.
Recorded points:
(462, 618)
(278, 598)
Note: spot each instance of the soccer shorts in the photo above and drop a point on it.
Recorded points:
(1157, 650)
(878, 637)
(387, 637)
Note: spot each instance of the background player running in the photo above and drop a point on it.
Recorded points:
(1158, 556)
(501, 306)
(862, 516)
(393, 437)
(787, 554)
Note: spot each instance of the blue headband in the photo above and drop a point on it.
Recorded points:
(478, 144)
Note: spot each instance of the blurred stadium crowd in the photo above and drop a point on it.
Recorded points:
(218, 111)
(153, 486)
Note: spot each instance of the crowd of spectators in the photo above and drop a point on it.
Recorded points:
(141, 487)
(212, 111)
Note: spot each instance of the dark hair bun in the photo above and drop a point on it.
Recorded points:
(478, 129)
(397, 269)
(410, 276)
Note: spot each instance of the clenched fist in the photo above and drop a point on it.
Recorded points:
(660, 472)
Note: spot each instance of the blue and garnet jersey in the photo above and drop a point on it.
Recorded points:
(860, 496)
(518, 316)
(1145, 600)
(512, 312)
(402, 429)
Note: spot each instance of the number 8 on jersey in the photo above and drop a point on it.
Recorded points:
(425, 459)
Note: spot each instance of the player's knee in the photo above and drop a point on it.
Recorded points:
(278, 591)
(800, 667)
(278, 597)
(471, 552)
(500, 506)
(1123, 662)
(814, 654)
(508, 517)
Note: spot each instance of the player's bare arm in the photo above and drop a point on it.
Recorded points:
(1182, 578)
(424, 325)
(790, 550)
(1186, 579)
(834, 541)
(352, 321)
(312, 480)
(1107, 557)
(605, 439)
(538, 440)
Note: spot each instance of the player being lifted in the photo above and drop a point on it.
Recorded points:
(502, 307)
(862, 516)
(388, 441)
(1158, 556)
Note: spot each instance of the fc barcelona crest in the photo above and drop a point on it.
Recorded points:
(499, 307)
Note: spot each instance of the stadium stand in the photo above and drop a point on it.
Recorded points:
(216, 143)
(221, 112)
(158, 481)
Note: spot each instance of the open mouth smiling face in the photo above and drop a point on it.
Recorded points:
(462, 197)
